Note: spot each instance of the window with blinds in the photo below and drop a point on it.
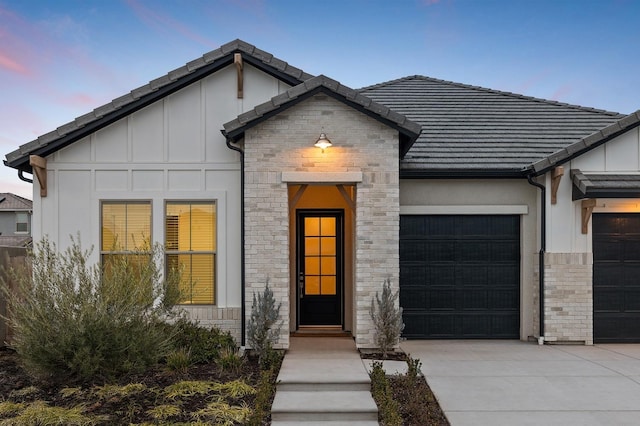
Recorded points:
(190, 246)
(125, 231)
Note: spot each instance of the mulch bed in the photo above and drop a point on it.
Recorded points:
(17, 386)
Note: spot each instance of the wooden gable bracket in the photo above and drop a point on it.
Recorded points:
(556, 175)
(347, 197)
(39, 166)
(587, 209)
(237, 59)
(296, 197)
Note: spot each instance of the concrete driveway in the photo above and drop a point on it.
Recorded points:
(519, 383)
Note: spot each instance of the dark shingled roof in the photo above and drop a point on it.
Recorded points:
(595, 185)
(473, 131)
(152, 92)
(13, 202)
(410, 130)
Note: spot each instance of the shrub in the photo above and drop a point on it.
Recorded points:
(387, 319)
(179, 360)
(389, 410)
(262, 328)
(230, 360)
(204, 344)
(72, 320)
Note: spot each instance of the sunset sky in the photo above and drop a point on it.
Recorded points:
(59, 59)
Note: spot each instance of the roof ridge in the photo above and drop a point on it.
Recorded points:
(495, 91)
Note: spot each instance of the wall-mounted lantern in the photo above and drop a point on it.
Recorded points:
(323, 142)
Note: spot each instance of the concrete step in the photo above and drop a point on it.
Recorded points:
(301, 385)
(341, 406)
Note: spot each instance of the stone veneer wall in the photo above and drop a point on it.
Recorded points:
(226, 319)
(285, 143)
(568, 296)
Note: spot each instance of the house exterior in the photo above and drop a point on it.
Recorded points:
(15, 220)
(483, 208)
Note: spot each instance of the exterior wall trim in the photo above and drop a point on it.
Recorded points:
(321, 177)
(466, 209)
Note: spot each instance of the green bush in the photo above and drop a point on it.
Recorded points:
(72, 320)
(203, 344)
(388, 407)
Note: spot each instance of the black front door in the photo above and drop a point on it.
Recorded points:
(319, 267)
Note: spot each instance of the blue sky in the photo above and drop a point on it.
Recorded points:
(61, 58)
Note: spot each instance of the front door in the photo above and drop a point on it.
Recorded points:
(319, 267)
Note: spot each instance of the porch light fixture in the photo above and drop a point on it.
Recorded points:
(323, 142)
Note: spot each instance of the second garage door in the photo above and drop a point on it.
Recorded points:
(460, 276)
(616, 277)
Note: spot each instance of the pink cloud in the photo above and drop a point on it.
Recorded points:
(162, 21)
(12, 65)
(562, 92)
(80, 100)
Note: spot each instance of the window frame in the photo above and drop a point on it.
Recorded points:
(216, 230)
(25, 222)
(103, 252)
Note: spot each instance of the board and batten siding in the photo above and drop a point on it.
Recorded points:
(569, 257)
(171, 150)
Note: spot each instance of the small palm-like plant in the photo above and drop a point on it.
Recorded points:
(387, 318)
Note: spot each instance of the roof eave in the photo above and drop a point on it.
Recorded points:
(462, 174)
(626, 123)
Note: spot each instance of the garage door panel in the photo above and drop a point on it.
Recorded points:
(413, 250)
(607, 250)
(475, 299)
(443, 299)
(414, 275)
(473, 275)
(472, 289)
(616, 277)
(505, 251)
(473, 251)
(442, 275)
(503, 275)
(413, 298)
(440, 251)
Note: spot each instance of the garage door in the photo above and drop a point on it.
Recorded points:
(460, 276)
(616, 277)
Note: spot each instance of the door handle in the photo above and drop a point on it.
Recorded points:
(301, 284)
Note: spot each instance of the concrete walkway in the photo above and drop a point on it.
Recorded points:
(519, 383)
(323, 381)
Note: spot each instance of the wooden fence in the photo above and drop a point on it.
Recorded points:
(10, 257)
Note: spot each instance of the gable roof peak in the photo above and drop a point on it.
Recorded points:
(156, 89)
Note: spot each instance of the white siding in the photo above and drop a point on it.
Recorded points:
(564, 219)
(170, 150)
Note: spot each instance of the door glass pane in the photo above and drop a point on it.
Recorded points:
(312, 285)
(312, 265)
(328, 246)
(311, 226)
(311, 246)
(328, 265)
(328, 285)
(328, 226)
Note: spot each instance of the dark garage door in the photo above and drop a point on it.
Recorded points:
(616, 277)
(460, 276)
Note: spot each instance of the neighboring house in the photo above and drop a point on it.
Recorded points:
(15, 220)
(473, 202)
